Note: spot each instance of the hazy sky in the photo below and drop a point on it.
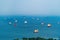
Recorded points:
(30, 7)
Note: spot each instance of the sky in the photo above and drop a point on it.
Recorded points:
(30, 7)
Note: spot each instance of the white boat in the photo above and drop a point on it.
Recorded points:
(25, 22)
(49, 25)
(36, 31)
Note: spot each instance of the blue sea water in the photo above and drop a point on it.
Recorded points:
(10, 32)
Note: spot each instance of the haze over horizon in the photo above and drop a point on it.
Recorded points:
(30, 7)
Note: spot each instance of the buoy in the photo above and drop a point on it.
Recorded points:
(36, 31)
(15, 25)
(25, 22)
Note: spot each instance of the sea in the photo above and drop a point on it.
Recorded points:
(19, 29)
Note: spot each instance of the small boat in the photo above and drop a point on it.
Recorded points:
(49, 25)
(36, 31)
(10, 22)
(25, 22)
(42, 23)
(16, 21)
